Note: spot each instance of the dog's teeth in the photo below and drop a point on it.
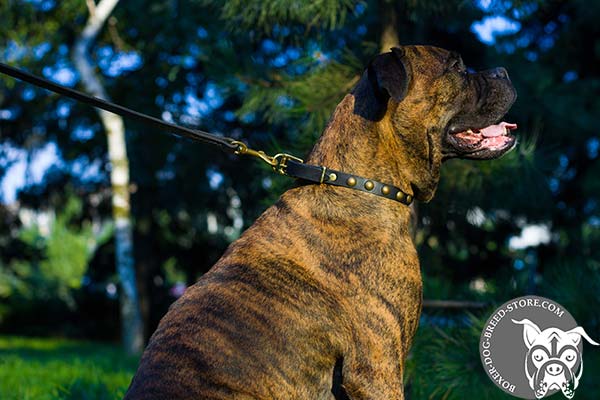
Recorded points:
(470, 132)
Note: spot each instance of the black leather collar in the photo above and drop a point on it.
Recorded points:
(320, 174)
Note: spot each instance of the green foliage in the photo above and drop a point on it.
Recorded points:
(444, 363)
(64, 247)
(266, 14)
(68, 249)
(173, 275)
(306, 100)
(570, 282)
(52, 369)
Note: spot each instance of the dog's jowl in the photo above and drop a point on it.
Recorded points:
(321, 296)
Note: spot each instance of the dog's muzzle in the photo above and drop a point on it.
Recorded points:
(554, 375)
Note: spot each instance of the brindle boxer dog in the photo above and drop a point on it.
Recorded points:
(320, 298)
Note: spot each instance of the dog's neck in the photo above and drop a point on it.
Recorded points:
(350, 233)
(366, 236)
(356, 145)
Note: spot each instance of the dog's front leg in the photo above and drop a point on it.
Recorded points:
(377, 377)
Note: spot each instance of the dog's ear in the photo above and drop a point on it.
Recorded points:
(389, 74)
(386, 76)
(530, 331)
(577, 333)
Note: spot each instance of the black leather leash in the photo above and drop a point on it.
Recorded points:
(282, 163)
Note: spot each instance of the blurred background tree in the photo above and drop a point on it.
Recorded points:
(271, 72)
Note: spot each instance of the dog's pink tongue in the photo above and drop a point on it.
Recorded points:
(497, 130)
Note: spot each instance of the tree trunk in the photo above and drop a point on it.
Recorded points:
(389, 26)
(132, 332)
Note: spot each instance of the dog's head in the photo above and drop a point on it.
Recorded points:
(553, 361)
(438, 108)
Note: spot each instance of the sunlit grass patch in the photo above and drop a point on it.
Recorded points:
(40, 369)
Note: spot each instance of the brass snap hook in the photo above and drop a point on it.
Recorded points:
(244, 149)
(278, 162)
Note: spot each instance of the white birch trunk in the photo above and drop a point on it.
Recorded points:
(132, 332)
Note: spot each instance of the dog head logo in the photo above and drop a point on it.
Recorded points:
(554, 359)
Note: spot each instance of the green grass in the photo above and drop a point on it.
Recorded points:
(41, 369)
(441, 365)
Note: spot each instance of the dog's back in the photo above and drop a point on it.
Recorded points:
(258, 316)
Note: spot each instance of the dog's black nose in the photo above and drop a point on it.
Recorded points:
(499, 73)
(554, 369)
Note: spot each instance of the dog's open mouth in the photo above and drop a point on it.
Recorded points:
(483, 143)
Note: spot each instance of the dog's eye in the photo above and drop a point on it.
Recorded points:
(569, 355)
(538, 355)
